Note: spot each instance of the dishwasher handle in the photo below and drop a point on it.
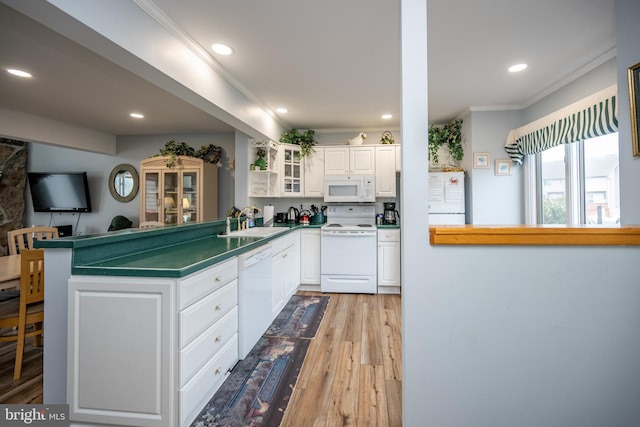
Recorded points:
(252, 258)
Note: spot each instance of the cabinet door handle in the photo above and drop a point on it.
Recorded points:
(217, 279)
(218, 370)
(218, 307)
(218, 338)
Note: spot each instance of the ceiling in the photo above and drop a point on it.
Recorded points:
(334, 64)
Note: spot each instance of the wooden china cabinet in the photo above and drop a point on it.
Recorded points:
(186, 192)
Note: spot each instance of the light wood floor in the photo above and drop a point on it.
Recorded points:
(351, 376)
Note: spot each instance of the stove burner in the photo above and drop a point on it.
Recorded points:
(365, 225)
(334, 225)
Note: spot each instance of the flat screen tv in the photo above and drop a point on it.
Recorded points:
(59, 191)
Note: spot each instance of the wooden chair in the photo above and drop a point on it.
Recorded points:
(24, 317)
(150, 224)
(23, 238)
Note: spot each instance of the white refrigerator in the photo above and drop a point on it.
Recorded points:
(446, 198)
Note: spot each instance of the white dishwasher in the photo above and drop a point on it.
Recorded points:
(254, 297)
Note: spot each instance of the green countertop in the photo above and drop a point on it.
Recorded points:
(170, 252)
(174, 260)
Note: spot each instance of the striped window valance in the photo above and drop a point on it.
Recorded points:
(593, 116)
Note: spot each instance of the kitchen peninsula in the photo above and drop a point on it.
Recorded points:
(142, 325)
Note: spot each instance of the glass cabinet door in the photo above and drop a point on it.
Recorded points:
(151, 196)
(170, 202)
(190, 194)
(292, 176)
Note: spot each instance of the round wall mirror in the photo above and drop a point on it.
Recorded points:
(123, 183)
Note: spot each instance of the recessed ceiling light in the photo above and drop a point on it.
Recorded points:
(387, 116)
(517, 67)
(222, 49)
(137, 115)
(19, 73)
(281, 110)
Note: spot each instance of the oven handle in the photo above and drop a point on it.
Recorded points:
(348, 233)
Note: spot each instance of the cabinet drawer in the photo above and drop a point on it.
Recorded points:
(196, 318)
(198, 285)
(201, 350)
(197, 392)
(392, 235)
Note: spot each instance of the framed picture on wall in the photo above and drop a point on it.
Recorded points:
(503, 167)
(480, 160)
(634, 106)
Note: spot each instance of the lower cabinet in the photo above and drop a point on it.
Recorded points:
(286, 269)
(388, 261)
(310, 256)
(150, 351)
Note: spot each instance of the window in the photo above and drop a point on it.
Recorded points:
(576, 183)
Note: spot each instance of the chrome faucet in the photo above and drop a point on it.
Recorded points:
(240, 226)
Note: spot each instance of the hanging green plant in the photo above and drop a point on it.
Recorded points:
(305, 140)
(209, 153)
(450, 135)
(172, 149)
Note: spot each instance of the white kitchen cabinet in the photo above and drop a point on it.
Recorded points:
(286, 269)
(385, 156)
(314, 173)
(291, 177)
(310, 256)
(346, 159)
(264, 183)
(336, 160)
(284, 173)
(150, 351)
(362, 160)
(388, 261)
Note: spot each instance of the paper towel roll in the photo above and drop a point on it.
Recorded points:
(267, 216)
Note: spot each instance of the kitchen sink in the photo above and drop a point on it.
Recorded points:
(255, 232)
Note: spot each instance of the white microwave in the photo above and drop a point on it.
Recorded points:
(349, 188)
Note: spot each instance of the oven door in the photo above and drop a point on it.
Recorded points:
(348, 262)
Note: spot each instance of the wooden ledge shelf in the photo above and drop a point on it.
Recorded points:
(535, 235)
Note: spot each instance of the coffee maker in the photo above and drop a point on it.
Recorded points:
(391, 215)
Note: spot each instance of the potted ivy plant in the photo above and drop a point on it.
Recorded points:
(172, 149)
(305, 140)
(449, 135)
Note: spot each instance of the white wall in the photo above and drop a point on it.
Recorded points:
(628, 34)
(493, 199)
(526, 336)
(529, 336)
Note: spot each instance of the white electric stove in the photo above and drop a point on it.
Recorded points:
(348, 246)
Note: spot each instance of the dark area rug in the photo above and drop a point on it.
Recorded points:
(299, 318)
(259, 388)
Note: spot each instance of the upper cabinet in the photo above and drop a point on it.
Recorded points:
(263, 175)
(385, 170)
(285, 174)
(349, 160)
(291, 174)
(184, 193)
(362, 160)
(279, 173)
(314, 173)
